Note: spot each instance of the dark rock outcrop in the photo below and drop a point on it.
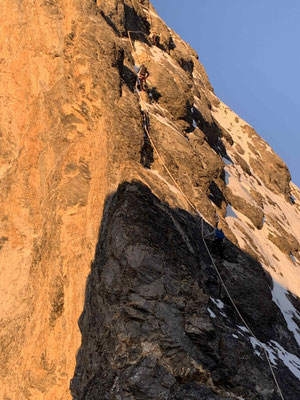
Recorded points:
(157, 324)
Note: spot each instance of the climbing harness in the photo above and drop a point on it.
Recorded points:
(146, 124)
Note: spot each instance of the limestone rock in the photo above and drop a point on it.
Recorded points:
(267, 165)
(155, 321)
(252, 212)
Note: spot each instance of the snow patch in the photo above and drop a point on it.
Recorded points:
(211, 313)
(227, 176)
(194, 124)
(227, 161)
(281, 268)
(290, 360)
(280, 298)
(255, 343)
(230, 212)
(243, 328)
(271, 353)
(218, 303)
(293, 258)
(276, 351)
(292, 199)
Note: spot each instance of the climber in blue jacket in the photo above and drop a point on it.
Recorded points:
(218, 241)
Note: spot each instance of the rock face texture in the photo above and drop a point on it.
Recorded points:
(157, 323)
(93, 227)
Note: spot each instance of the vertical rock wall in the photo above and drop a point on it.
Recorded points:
(71, 130)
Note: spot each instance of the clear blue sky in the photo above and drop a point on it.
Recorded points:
(250, 50)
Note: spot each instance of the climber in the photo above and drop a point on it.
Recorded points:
(218, 241)
(154, 39)
(142, 76)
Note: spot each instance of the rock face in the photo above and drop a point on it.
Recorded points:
(155, 321)
(154, 325)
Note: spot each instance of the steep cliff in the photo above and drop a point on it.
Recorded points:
(99, 186)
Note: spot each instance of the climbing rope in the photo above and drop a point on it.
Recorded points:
(146, 127)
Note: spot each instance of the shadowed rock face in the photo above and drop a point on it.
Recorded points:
(157, 323)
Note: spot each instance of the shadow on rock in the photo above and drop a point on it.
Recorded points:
(136, 23)
(212, 133)
(156, 322)
(155, 94)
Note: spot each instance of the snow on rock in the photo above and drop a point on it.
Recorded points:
(293, 199)
(256, 343)
(289, 360)
(230, 212)
(280, 297)
(219, 303)
(231, 122)
(243, 328)
(227, 161)
(275, 352)
(227, 176)
(280, 216)
(211, 313)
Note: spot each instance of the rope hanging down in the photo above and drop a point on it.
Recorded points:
(146, 127)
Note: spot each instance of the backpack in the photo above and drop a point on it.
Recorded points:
(219, 234)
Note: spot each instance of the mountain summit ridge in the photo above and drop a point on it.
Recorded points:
(75, 156)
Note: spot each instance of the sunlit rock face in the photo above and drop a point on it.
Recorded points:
(127, 259)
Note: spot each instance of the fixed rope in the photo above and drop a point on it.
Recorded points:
(146, 127)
